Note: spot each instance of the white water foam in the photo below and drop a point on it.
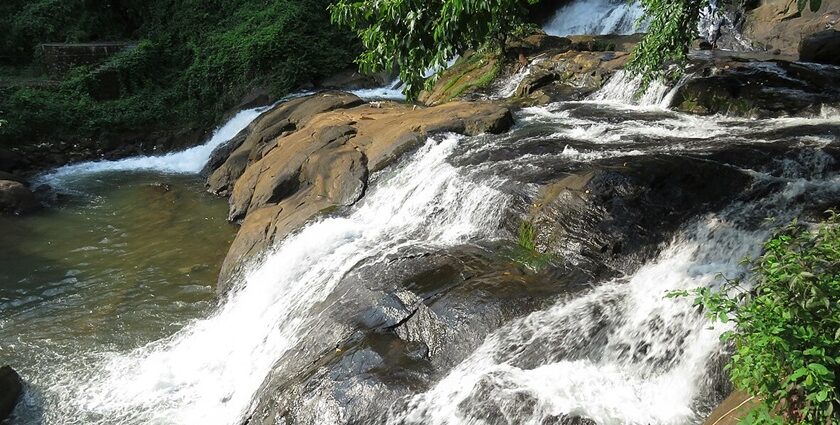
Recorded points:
(509, 86)
(623, 88)
(596, 17)
(390, 91)
(210, 372)
(622, 354)
(188, 161)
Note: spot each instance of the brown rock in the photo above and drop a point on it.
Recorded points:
(314, 154)
(10, 389)
(253, 143)
(732, 410)
(572, 75)
(778, 24)
(16, 198)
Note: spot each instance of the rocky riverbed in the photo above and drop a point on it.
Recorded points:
(497, 254)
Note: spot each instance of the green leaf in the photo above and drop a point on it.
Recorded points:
(819, 369)
(800, 4)
(815, 5)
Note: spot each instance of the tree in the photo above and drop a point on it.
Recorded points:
(414, 36)
(673, 26)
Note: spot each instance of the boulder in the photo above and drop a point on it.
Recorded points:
(470, 74)
(822, 47)
(747, 88)
(614, 214)
(16, 198)
(778, 24)
(11, 387)
(314, 154)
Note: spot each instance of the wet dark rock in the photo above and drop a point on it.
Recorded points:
(393, 327)
(821, 47)
(567, 420)
(418, 313)
(11, 177)
(572, 75)
(11, 387)
(615, 214)
(491, 402)
(537, 43)
(758, 89)
(605, 43)
(16, 198)
(560, 68)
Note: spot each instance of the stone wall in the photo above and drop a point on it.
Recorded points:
(58, 58)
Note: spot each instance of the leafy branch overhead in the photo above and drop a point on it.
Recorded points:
(415, 36)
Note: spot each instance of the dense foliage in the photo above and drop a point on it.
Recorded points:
(415, 36)
(194, 58)
(673, 26)
(787, 327)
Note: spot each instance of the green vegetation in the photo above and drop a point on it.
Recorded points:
(525, 252)
(787, 327)
(416, 35)
(673, 26)
(194, 59)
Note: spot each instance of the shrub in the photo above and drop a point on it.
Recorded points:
(787, 327)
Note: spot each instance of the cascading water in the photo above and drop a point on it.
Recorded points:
(720, 27)
(508, 87)
(189, 161)
(209, 372)
(623, 88)
(622, 353)
(596, 17)
(619, 353)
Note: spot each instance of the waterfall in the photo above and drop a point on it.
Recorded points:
(596, 17)
(720, 28)
(209, 372)
(507, 88)
(623, 88)
(188, 161)
(622, 353)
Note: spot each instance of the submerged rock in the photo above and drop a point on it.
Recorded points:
(16, 198)
(11, 387)
(313, 154)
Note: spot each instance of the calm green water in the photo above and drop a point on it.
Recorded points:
(128, 258)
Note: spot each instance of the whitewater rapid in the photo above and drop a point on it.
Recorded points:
(209, 372)
(623, 353)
